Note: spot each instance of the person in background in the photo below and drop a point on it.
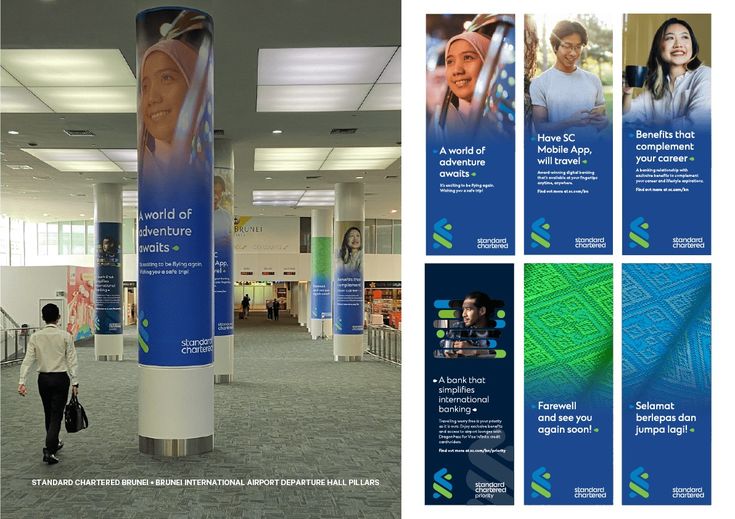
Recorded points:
(246, 306)
(276, 309)
(53, 350)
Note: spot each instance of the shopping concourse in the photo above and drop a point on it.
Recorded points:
(210, 197)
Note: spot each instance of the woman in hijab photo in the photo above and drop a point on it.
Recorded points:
(172, 86)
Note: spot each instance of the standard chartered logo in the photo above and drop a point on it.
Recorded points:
(638, 233)
(540, 483)
(442, 485)
(442, 236)
(639, 484)
(540, 233)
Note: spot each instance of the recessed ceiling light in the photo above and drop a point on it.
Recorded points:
(41, 177)
(18, 166)
(269, 178)
(45, 214)
(277, 132)
(394, 210)
(359, 178)
(13, 132)
(82, 214)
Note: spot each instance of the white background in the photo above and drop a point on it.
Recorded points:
(414, 210)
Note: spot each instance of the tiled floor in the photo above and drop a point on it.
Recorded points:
(291, 413)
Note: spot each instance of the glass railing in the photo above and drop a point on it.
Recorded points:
(14, 343)
(384, 342)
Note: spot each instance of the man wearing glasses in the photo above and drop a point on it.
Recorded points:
(565, 97)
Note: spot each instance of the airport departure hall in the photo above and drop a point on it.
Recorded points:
(210, 195)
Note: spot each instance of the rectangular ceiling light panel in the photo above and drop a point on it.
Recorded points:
(20, 100)
(88, 99)
(291, 153)
(7, 80)
(392, 73)
(57, 154)
(322, 66)
(358, 164)
(311, 98)
(383, 97)
(363, 152)
(121, 155)
(84, 165)
(68, 67)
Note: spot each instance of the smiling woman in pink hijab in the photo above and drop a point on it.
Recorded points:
(172, 83)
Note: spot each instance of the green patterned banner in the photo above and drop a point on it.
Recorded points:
(321, 277)
(568, 383)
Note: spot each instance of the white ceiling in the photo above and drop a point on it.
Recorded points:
(241, 29)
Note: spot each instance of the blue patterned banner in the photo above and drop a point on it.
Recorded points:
(666, 384)
(108, 279)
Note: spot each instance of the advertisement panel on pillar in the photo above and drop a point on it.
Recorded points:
(223, 225)
(568, 134)
(469, 356)
(667, 134)
(470, 134)
(321, 277)
(348, 278)
(108, 267)
(175, 161)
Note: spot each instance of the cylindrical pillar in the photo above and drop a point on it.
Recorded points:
(321, 273)
(108, 322)
(175, 240)
(303, 315)
(348, 314)
(224, 225)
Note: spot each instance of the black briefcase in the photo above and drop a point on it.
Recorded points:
(75, 419)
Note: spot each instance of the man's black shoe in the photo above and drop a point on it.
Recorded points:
(51, 459)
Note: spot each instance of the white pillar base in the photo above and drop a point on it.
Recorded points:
(224, 359)
(348, 348)
(321, 328)
(175, 410)
(108, 347)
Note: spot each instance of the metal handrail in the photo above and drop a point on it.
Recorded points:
(17, 340)
(384, 342)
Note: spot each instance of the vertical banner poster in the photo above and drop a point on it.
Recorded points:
(108, 279)
(568, 384)
(223, 227)
(79, 302)
(667, 162)
(321, 277)
(469, 352)
(667, 376)
(175, 181)
(349, 292)
(568, 82)
(470, 134)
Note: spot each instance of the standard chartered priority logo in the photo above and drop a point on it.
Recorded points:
(442, 236)
(540, 484)
(638, 483)
(441, 484)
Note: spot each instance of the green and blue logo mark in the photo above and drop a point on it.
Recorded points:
(442, 236)
(540, 233)
(442, 485)
(540, 484)
(638, 233)
(639, 484)
(143, 336)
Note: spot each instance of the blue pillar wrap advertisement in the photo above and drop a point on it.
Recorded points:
(223, 226)
(108, 279)
(667, 163)
(469, 355)
(175, 242)
(568, 371)
(349, 291)
(470, 137)
(667, 392)
(568, 135)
